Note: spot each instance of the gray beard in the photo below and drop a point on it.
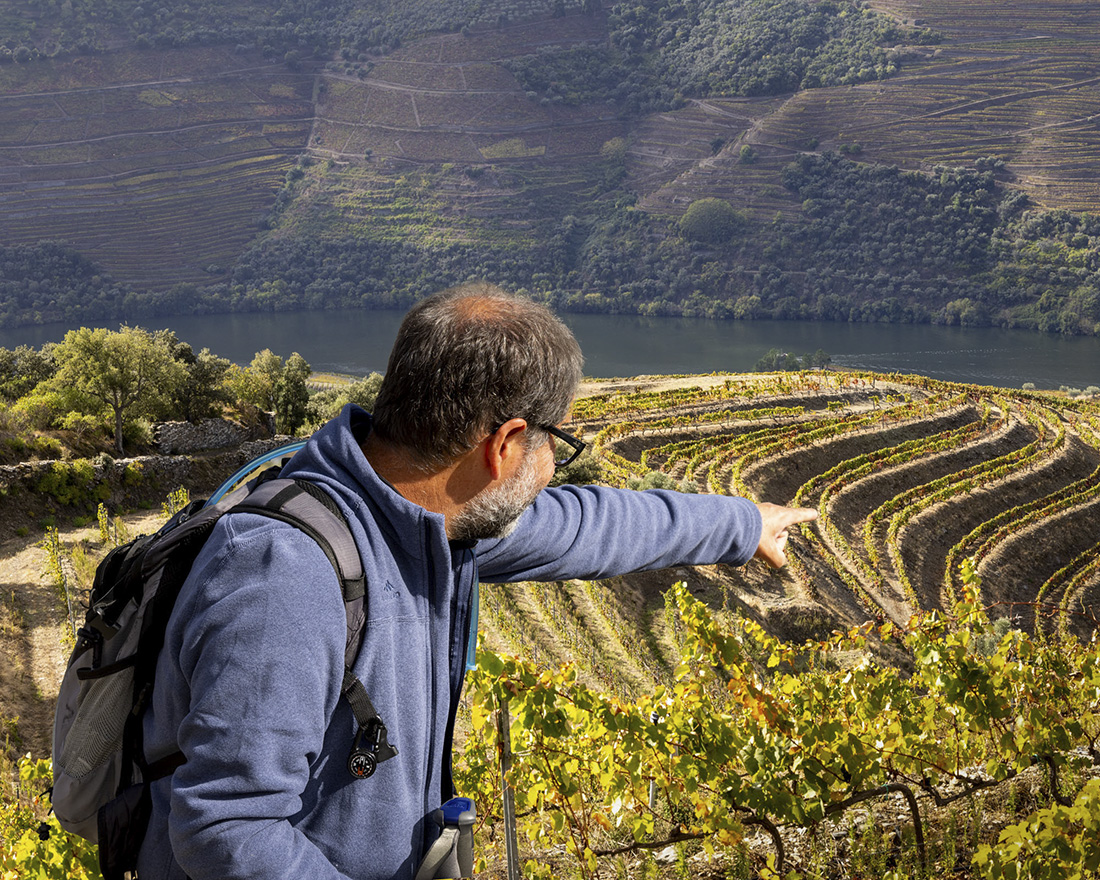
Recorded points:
(495, 512)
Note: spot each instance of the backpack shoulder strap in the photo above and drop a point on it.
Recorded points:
(310, 508)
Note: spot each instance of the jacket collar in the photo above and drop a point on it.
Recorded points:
(333, 458)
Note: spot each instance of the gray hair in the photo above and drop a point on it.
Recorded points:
(466, 361)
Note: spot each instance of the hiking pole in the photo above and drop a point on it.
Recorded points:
(504, 730)
(653, 717)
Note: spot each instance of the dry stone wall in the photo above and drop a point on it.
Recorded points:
(119, 483)
(178, 438)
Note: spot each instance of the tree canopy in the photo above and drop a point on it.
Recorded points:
(712, 221)
(271, 385)
(22, 368)
(292, 395)
(130, 372)
(663, 51)
(201, 392)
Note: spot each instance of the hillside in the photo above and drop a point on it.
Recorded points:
(909, 476)
(913, 161)
(157, 165)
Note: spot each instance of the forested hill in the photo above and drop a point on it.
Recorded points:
(884, 161)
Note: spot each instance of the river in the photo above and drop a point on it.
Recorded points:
(358, 341)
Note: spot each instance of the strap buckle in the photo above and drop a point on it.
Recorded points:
(371, 747)
(458, 811)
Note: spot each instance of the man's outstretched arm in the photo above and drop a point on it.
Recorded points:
(596, 532)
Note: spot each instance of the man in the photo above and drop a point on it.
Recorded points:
(442, 485)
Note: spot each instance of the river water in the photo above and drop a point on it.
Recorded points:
(358, 341)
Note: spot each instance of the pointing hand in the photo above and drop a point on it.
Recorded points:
(773, 535)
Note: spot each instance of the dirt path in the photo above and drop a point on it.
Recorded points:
(593, 387)
(30, 641)
(35, 630)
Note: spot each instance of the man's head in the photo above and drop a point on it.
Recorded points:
(466, 361)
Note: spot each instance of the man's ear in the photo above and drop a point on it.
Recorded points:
(504, 442)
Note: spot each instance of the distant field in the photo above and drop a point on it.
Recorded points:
(1014, 81)
(1010, 82)
(447, 99)
(1036, 114)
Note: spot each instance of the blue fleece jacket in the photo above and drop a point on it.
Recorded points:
(248, 682)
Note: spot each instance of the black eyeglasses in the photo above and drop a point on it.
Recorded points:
(578, 445)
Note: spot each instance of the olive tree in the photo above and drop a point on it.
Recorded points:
(273, 386)
(292, 395)
(201, 393)
(131, 373)
(257, 383)
(22, 368)
(325, 405)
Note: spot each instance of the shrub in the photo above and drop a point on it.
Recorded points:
(48, 447)
(661, 480)
(325, 405)
(585, 470)
(775, 359)
(40, 410)
(711, 221)
(138, 433)
(22, 368)
(32, 844)
(72, 483)
(175, 501)
(1059, 841)
(132, 475)
(81, 424)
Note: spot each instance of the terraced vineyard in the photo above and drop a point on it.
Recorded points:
(1014, 81)
(206, 164)
(161, 166)
(909, 476)
(447, 98)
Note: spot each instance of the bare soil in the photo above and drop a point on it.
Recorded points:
(779, 479)
(1019, 566)
(1023, 563)
(35, 629)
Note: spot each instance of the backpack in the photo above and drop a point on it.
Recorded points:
(101, 777)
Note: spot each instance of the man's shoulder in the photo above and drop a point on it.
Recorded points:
(245, 548)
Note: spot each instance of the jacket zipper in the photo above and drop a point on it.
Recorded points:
(458, 663)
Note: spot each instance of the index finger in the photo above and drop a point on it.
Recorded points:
(780, 517)
(800, 514)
